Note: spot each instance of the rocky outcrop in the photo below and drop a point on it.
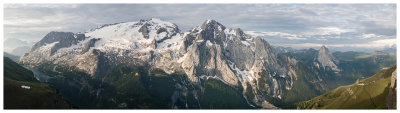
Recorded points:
(325, 59)
(205, 56)
(61, 40)
(144, 30)
(88, 45)
(391, 102)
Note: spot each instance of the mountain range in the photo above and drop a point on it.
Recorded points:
(153, 64)
(16, 46)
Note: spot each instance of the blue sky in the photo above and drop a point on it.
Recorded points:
(339, 26)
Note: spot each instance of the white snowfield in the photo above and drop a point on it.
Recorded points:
(127, 36)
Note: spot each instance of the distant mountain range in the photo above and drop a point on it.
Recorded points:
(20, 51)
(12, 57)
(391, 49)
(153, 64)
(16, 46)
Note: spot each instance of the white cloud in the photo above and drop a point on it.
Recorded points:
(41, 5)
(284, 23)
(302, 45)
(276, 34)
(15, 30)
(384, 42)
(321, 39)
(50, 20)
(378, 44)
(320, 34)
(371, 35)
(328, 31)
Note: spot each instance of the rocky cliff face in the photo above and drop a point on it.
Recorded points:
(213, 50)
(325, 59)
(210, 51)
(391, 102)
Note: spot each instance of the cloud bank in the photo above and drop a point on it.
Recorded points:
(295, 25)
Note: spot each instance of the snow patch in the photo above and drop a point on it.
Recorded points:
(199, 41)
(219, 28)
(25, 87)
(245, 43)
(240, 74)
(46, 48)
(262, 60)
(208, 43)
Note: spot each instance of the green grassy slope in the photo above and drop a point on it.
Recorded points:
(40, 96)
(14, 71)
(372, 95)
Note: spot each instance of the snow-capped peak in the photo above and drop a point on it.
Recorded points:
(210, 21)
(212, 24)
(152, 33)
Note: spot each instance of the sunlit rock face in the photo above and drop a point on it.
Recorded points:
(326, 59)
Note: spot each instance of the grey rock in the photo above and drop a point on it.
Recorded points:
(65, 39)
(326, 59)
(235, 58)
(87, 45)
(144, 30)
